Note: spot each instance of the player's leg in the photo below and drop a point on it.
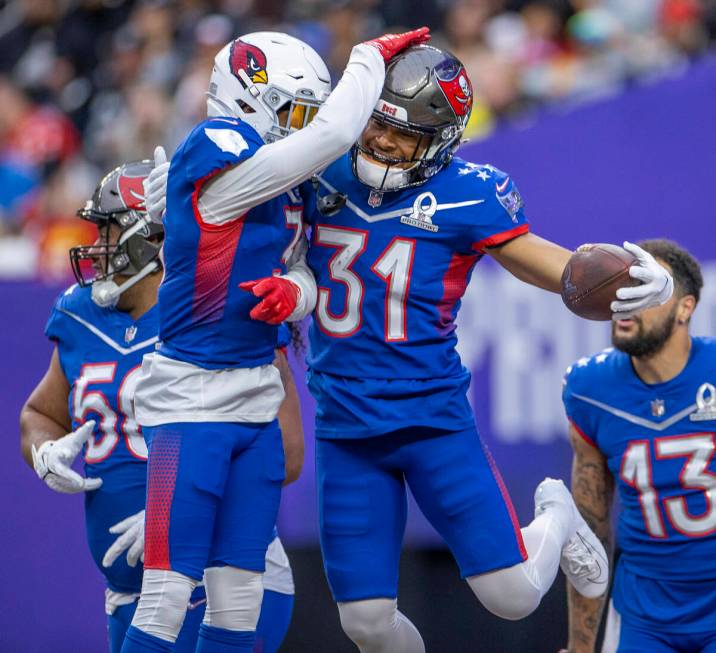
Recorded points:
(189, 633)
(187, 469)
(118, 622)
(637, 639)
(277, 605)
(243, 531)
(275, 618)
(458, 487)
(362, 512)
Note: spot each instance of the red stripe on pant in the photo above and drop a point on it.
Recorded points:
(508, 502)
(161, 480)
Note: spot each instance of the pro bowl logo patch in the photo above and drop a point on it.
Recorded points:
(250, 59)
(456, 87)
(131, 191)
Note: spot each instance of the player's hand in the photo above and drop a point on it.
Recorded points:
(279, 298)
(655, 289)
(131, 539)
(155, 186)
(53, 461)
(391, 44)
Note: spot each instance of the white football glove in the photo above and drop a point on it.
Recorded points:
(53, 460)
(131, 539)
(655, 289)
(155, 186)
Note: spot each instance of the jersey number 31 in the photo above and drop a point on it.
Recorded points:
(393, 266)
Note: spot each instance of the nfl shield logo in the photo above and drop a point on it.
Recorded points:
(130, 333)
(375, 199)
(657, 408)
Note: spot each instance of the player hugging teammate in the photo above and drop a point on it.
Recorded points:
(397, 226)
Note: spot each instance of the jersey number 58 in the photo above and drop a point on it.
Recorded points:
(112, 425)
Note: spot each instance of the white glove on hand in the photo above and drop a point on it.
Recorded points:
(132, 538)
(155, 186)
(656, 288)
(53, 460)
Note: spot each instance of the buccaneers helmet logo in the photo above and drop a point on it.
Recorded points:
(456, 86)
(131, 191)
(250, 59)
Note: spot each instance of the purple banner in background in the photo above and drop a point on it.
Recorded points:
(640, 165)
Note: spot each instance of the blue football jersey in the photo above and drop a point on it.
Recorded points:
(659, 441)
(204, 315)
(100, 351)
(391, 270)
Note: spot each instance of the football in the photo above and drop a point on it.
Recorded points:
(591, 278)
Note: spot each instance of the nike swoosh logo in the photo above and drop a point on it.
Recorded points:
(501, 187)
(195, 604)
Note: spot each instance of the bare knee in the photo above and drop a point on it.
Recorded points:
(508, 593)
(367, 621)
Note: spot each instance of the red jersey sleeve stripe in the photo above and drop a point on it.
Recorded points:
(502, 237)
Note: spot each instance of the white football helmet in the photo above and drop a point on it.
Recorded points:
(259, 74)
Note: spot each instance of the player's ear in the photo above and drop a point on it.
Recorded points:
(685, 308)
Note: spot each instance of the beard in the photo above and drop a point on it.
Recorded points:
(645, 343)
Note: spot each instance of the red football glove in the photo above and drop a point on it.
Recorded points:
(391, 44)
(280, 297)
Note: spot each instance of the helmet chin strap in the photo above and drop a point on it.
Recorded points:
(106, 293)
(381, 177)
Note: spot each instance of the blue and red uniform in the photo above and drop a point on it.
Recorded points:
(204, 314)
(100, 352)
(390, 388)
(219, 457)
(659, 441)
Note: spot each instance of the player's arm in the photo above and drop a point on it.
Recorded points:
(593, 491)
(289, 418)
(47, 441)
(533, 260)
(284, 164)
(44, 415)
(540, 262)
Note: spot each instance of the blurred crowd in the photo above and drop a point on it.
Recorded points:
(88, 84)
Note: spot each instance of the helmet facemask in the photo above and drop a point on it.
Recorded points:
(292, 112)
(135, 252)
(382, 172)
(426, 93)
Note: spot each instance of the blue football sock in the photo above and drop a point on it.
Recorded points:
(276, 609)
(137, 641)
(117, 624)
(220, 640)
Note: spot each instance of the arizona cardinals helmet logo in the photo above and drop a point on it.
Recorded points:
(131, 191)
(455, 84)
(250, 59)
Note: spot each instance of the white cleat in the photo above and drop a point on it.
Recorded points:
(584, 560)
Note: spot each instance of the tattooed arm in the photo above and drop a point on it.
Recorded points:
(593, 491)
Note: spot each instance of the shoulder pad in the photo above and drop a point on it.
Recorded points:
(584, 370)
(215, 144)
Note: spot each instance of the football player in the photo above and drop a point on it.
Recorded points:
(398, 225)
(642, 417)
(207, 398)
(85, 402)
